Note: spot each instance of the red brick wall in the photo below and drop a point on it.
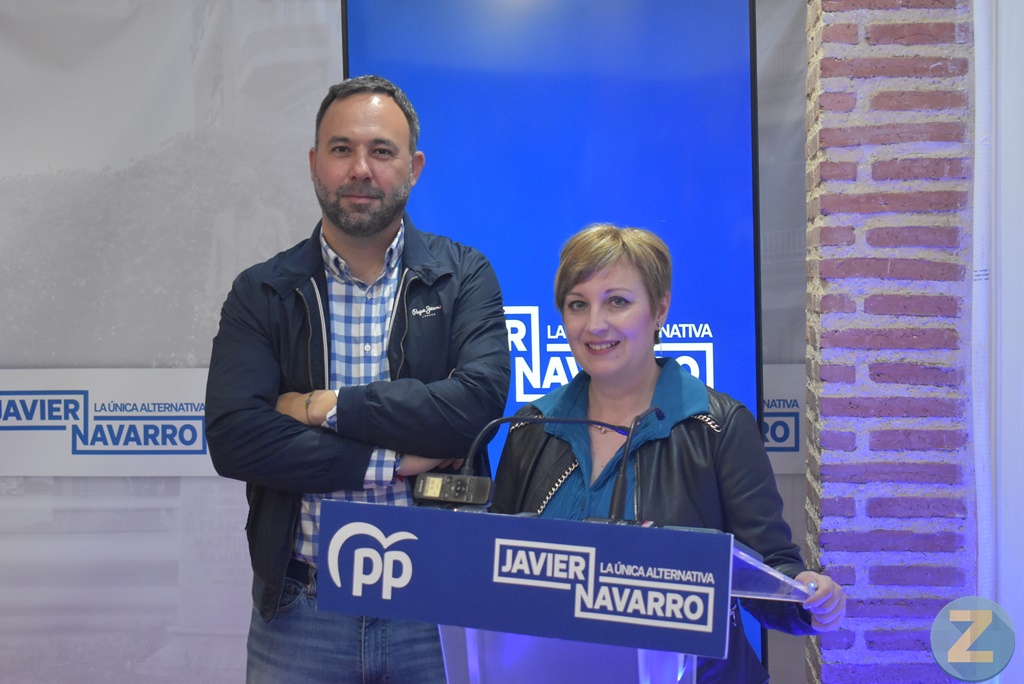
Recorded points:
(891, 509)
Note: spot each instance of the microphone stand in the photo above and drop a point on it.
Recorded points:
(535, 419)
(466, 489)
(617, 508)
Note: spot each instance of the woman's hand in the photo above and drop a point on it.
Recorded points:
(320, 403)
(828, 604)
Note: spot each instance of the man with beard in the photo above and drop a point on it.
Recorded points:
(343, 367)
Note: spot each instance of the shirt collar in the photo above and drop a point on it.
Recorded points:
(677, 393)
(339, 267)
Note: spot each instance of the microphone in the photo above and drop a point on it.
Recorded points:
(617, 508)
(475, 490)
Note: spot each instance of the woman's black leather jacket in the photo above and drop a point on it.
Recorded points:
(711, 472)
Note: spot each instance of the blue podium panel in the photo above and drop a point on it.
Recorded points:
(650, 588)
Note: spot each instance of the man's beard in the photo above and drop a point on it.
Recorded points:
(363, 223)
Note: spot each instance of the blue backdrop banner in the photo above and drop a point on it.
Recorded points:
(541, 118)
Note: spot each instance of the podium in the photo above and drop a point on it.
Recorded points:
(664, 589)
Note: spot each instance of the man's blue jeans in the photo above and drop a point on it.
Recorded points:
(305, 645)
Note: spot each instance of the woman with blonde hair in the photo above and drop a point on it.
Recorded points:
(702, 465)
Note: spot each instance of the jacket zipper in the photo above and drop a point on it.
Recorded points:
(309, 367)
(402, 304)
(323, 334)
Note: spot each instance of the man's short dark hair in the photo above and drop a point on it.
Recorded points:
(371, 84)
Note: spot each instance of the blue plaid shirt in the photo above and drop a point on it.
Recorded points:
(360, 325)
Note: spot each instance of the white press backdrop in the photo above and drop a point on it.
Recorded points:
(139, 139)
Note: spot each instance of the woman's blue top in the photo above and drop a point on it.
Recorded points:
(677, 393)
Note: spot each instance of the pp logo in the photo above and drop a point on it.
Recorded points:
(393, 569)
(972, 639)
(781, 431)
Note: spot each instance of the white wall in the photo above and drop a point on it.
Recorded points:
(1007, 323)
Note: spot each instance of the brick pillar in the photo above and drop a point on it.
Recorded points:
(891, 506)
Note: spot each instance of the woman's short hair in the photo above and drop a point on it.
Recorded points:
(600, 245)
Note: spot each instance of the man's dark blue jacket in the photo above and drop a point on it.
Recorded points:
(449, 361)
